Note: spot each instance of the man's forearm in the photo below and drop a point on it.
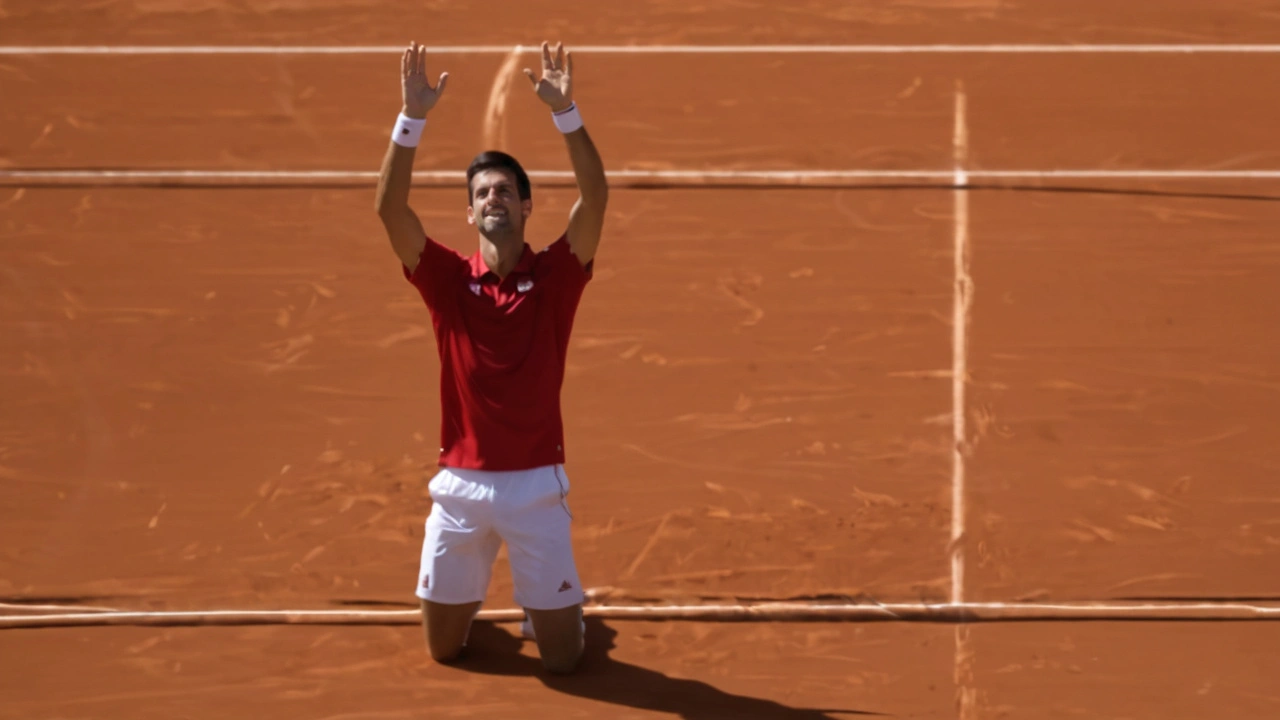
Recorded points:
(395, 178)
(588, 168)
(419, 97)
(392, 198)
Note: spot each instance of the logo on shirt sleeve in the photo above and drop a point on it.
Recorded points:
(524, 286)
(475, 288)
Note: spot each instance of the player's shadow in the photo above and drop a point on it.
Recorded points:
(493, 650)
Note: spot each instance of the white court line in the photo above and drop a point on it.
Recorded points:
(959, 613)
(691, 176)
(959, 342)
(1126, 174)
(946, 49)
(962, 670)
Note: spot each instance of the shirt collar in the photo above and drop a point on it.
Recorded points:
(524, 265)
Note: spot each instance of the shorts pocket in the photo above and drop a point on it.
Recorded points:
(433, 487)
(562, 481)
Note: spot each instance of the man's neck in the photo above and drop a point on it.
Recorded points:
(501, 255)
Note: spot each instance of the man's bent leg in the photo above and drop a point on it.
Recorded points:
(447, 627)
(458, 552)
(535, 522)
(559, 637)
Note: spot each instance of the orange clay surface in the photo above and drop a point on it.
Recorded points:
(224, 398)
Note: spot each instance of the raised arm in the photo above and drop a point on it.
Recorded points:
(586, 219)
(392, 201)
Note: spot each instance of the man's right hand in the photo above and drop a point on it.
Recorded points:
(419, 96)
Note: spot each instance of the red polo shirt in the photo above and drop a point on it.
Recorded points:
(502, 347)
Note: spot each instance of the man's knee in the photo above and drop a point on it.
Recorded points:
(447, 628)
(446, 654)
(560, 662)
(559, 634)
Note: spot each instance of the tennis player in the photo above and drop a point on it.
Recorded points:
(502, 318)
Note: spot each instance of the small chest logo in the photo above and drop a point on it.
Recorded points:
(475, 288)
(524, 286)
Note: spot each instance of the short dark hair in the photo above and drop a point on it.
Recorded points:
(496, 159)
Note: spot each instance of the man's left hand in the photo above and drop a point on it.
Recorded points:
(556, 86)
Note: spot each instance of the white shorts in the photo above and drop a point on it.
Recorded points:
(474, 512)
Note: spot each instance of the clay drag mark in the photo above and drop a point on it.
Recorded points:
(578, 21)
(732, 434)
(326, 113)
(1118, 670)
(240, 408)
(639, 670)
(1124, 387)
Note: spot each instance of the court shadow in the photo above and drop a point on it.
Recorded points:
(492, 650)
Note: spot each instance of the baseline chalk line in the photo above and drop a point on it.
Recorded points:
(693, 49)
(947, 613)
(689, 177)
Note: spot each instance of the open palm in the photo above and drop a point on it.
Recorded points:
(556, 86)
(419, 96)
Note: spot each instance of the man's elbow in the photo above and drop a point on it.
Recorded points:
(386, 208)
(596, 195)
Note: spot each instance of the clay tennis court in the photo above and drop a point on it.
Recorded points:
(219, 392)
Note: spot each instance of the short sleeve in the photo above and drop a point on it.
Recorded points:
(564, 268)
(437, 272)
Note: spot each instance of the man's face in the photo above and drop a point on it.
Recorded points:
(496, 207)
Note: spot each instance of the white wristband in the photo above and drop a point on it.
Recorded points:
(408, 131)
(568, 120)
